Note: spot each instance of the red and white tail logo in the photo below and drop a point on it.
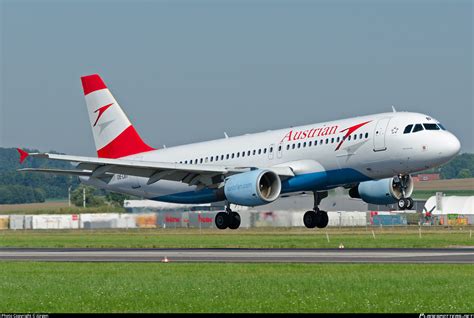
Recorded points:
(114, 135)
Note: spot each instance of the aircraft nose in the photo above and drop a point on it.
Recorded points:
(451, 145)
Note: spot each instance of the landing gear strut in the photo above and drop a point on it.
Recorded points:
(227, 219)
(316, 218)
(403, 203)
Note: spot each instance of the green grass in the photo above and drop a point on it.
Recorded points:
(244, 238)
(426, 194)
(173, 287)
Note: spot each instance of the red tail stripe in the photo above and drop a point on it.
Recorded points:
(92, 83)
(126, 144)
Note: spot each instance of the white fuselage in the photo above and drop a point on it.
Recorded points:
(375, 147)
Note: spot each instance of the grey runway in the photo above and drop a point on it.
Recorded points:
(375, 255)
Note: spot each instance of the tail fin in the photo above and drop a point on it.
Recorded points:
(114, 135)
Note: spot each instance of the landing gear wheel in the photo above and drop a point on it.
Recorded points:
(402, 203)
(410, 203)
(222, 220)
(234, 218)
(309, 219)
(322, 219)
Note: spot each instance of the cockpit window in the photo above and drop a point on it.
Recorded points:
(418, 127)
(431, 126)
(441, 126)
(407, 129)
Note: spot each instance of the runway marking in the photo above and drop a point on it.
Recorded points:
(242, 255)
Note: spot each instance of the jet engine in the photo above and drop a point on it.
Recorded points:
(384, 191)
(256, 187)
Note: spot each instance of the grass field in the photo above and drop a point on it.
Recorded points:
(157, 287)
(244, 238)
(54, 207)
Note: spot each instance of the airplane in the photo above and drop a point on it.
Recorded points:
(371, 156)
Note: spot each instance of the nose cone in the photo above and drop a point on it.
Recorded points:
(451, 146)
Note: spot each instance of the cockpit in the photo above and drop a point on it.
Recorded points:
(413, 128)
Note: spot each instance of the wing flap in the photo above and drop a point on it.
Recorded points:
(58, 171)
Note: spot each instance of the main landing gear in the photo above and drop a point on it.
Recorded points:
(403, 203)
(227, 219)
(316, 218)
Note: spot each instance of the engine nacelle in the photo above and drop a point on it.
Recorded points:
(384, 191)
(256, 187)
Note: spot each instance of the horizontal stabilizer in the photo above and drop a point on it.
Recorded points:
(23, 154)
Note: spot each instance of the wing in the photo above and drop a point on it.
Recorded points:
(199, 174)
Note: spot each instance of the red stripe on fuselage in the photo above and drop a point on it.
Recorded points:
(126, 144)
(92, 83)
(350, 130)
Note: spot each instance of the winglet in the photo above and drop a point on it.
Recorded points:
(23, 154)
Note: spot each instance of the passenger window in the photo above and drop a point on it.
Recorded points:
(200, 161)
(315, 142)
(407, 129)
(332, 140)
(349, 137)
(264, 150)
(360, 136)
(418, 127)
(293, 146)
(327, 140)
(279, 148)
(310, 143)
(206, 159)
(248, 153)
(337, 140)
(227, 156)
(238, 154)
(355, 136)
(185, 161)
(254, 152)
(232, 156)
(259, 151)
(299, 145)
(271, 149)
(366, 135)
(304, 144)
(287, 147)
(431, 126)
(222, 157)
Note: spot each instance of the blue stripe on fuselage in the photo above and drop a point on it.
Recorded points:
(304, 182)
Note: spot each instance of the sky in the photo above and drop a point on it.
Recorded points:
(186, 71)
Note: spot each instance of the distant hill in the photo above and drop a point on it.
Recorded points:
(21, 187)
(460, 167)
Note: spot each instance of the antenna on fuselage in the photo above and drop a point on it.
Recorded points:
(393, 109)
(225, 135)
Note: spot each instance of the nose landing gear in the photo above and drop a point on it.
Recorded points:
(405, 203)
(401, 182)
(316, 218)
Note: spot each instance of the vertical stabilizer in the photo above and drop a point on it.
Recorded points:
(114, 135)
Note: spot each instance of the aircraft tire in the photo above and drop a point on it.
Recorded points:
(309, 219)
(234, 218)
(222, 220)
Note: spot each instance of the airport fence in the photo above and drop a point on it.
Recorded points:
(196, 219)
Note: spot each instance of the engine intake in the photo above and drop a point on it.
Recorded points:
(256, 187)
